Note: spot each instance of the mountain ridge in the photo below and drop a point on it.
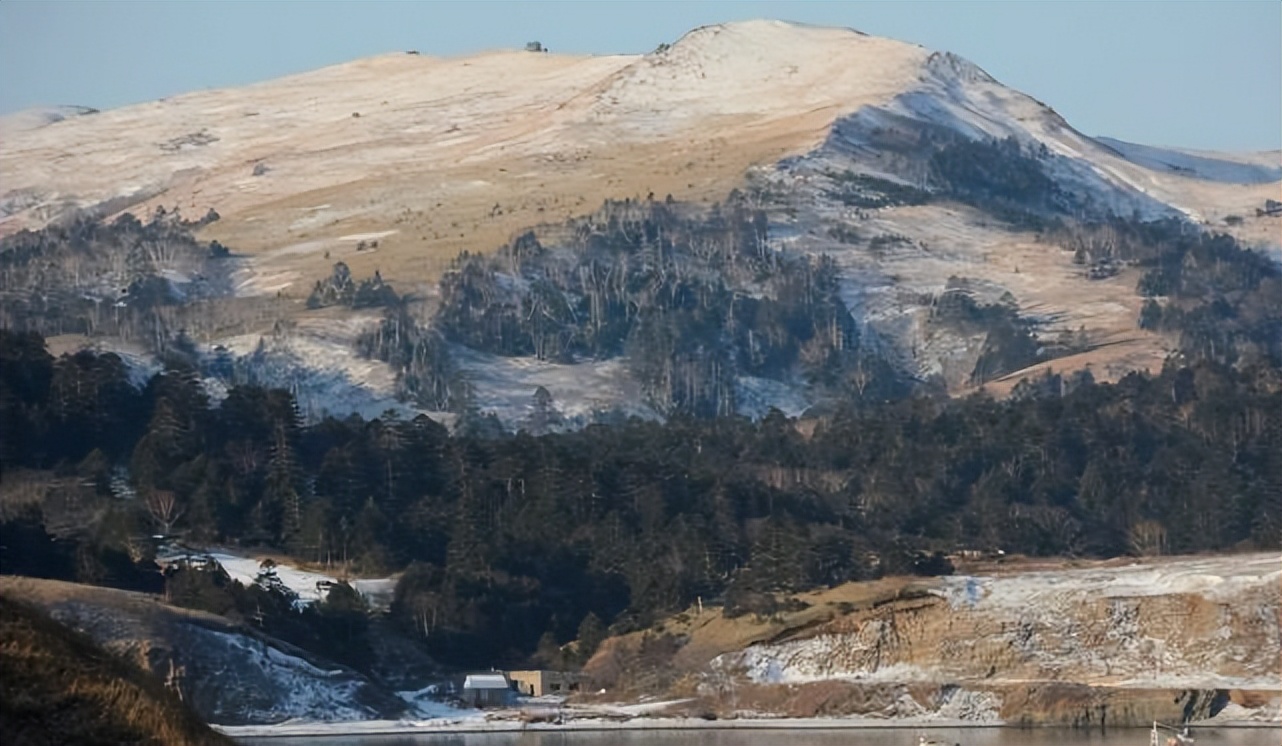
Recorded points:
(397, 164)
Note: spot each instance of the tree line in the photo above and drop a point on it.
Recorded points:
(511, 541)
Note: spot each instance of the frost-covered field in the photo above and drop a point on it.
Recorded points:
(319, 365)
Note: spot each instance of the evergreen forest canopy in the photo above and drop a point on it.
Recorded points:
(509, 540)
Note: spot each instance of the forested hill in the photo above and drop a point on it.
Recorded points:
(511, 539)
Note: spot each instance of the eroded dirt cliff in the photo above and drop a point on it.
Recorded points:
(1115, 643)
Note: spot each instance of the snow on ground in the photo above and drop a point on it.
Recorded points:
(309, 585)
(1234, 713)
(925, 248)
(511, 724)
(318, 364)
(440, 143)
(812, 659)
(140, 366)
(1208, 167)
(1219, 578)
(718, 72)
(506, 385)
(1134, 626)
(304, 690)
(426, 706)
(587, 389)
(303, 583)
(371, 236)
(755, 397)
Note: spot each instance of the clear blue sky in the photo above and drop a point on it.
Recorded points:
(1192, 74)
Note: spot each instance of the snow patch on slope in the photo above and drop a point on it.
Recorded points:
(755, 397)
(1193, 165)
(308, 585)
(303, 690)
(320, 367)
(1214, 578)
(762, 69)
(505, 386)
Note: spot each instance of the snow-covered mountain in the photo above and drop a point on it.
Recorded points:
(398, 163)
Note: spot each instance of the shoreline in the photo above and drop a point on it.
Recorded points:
(588, 725)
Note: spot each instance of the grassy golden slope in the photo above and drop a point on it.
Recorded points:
(438, 155)
(58, 687)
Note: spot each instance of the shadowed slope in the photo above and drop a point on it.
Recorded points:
(58, 687)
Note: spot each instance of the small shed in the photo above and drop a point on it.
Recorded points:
(540, 683)
(487, 690)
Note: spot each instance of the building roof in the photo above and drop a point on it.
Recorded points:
(486, 681)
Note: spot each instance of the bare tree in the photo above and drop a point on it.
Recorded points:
(164, 510)
(1148, 538)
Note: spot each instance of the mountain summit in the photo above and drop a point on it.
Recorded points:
(377, 143)
(909, 169)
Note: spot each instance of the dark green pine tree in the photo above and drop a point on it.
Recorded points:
(592, 633)
(281, 495)
(470, 548)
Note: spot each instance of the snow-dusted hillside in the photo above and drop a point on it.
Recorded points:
(399, 162)
(316, 360)
(229, 673)
(419, 150)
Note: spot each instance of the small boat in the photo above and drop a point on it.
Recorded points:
(1178, 737)
(924, 741)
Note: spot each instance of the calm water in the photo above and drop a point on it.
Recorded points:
(806, 737)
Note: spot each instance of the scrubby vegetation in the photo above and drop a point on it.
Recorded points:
(336, 628)
(863, 190)
(995, 171)
(1223, 301)
(57, 687)
(1009, 339)
(425, 372)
